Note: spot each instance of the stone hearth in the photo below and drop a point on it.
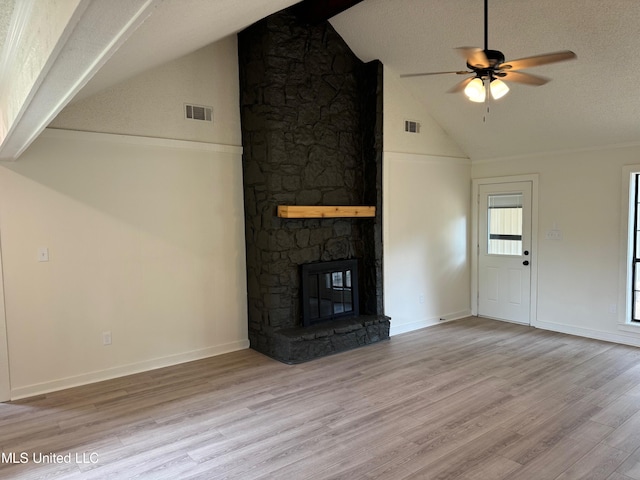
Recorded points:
(299, 344)
(312, 135)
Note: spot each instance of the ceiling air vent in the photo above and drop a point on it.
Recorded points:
(198, 112)
(411, 126)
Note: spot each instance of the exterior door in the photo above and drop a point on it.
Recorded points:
(504, 251)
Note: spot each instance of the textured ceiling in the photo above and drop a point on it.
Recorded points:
(176, 28)
(6, 10)
(591, 102)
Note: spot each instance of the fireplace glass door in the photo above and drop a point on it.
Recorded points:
(329, 291)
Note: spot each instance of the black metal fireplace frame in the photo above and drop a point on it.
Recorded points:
(310, 270)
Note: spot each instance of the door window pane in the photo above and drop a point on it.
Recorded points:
(505, 224)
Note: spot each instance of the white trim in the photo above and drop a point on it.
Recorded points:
(110, 373)
(386, 182)
(475, 192)
(428, 322)
(630, 328)
(549, 153)
(626, 250)
(505, 320)
(427, 158)
(137, 140)
(589, 333)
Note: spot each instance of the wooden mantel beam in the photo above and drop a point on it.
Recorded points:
(316, 211)
(316, 11)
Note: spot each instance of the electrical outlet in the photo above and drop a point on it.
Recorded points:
(106, 338)
(421, 298)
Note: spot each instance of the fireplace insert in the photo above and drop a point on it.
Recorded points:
(329, 291)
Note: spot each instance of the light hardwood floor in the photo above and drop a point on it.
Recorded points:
(470, 400)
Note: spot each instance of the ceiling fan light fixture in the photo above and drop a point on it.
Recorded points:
(486, 64)
(498, 88)
(475, 90)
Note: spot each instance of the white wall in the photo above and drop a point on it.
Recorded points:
(426, 198)
(146, 240)
(152, 104)
(145, 235)
(399, 105)
(426, 201)
(578, 276)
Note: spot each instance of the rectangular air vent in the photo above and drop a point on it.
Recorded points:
(198, 112)
(411, 126)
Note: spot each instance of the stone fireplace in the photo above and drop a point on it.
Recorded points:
(312, 135)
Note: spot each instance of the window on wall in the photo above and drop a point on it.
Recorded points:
(629, 295)
(634, 237)
(628, 305)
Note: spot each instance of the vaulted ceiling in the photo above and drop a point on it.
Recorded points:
(591, 102)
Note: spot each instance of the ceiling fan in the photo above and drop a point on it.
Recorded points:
(489, 67)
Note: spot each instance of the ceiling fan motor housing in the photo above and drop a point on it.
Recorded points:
(494, 58)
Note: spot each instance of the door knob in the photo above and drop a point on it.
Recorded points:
(526, 262)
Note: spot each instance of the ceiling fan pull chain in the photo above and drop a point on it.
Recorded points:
(486, 102)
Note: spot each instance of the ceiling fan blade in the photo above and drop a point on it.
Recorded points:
(458, 87)
(522, 77)
(537, 60)
(474, 56)
(461, 72)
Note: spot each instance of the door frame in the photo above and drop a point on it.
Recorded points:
(475, 244)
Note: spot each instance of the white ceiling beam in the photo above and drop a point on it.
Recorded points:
(95, 30)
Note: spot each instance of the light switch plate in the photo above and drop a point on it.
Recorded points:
(43, 254)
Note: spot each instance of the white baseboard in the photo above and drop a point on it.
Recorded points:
(589, 333)
(427, 322)
(110, 373)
